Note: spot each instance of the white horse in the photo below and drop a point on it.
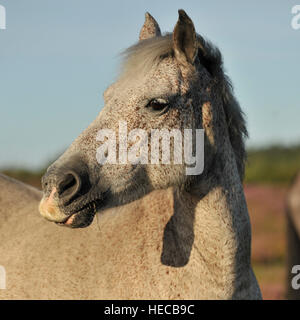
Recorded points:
(162, 234)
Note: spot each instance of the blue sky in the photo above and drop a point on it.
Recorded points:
(57, 58)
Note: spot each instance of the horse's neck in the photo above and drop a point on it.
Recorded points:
(222, 228)
(222, 234)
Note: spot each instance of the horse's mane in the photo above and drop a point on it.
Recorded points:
(141, 57)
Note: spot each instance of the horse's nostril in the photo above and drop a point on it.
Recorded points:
(68, 182)
(69, 185)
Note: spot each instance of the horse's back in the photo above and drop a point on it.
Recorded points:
(18, 203)
(10, 187)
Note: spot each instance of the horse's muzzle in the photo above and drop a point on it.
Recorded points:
(67, 200)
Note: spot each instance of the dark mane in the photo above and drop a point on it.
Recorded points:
(211, 58)
(140, 57)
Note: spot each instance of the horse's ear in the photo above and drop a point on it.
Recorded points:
(150, 28)
(184, 39)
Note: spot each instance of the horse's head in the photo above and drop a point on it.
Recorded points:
(170, 82)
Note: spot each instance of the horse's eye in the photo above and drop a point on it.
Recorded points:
(157, 104)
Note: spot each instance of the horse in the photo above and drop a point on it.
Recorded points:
(160, 233)
(293, 238)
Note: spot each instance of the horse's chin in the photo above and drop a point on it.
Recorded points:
(77, 214)
(78, 217)
(81, 219)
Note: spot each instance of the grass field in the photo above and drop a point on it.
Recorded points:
(273, 165)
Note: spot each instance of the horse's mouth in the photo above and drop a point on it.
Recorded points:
(83, 216)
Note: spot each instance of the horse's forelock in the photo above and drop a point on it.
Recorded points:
(146, 54)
